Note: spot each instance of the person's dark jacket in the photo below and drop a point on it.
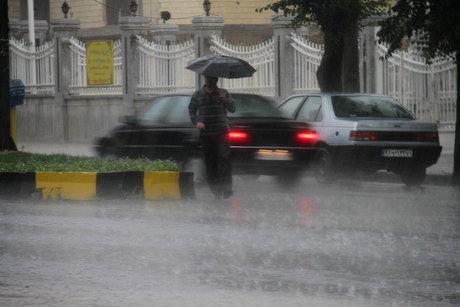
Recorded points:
(211, 109)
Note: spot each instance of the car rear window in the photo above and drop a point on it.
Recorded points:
(368, 106)
(253, 106)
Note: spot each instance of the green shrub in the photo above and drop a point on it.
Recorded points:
(27, 162)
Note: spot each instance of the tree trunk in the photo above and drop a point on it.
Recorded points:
(6, 141)
(330, 70)
(456, 173)
(350, 60)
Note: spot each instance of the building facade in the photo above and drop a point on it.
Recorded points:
(99, 17)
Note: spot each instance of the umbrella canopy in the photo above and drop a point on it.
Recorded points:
(221, 66)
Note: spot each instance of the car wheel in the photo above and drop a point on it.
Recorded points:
(323, 167)
(413, 176)
(196, 166)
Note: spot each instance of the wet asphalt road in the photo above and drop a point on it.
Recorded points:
(351, 244)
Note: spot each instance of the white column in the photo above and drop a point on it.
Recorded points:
(33, 73)
(284, 56)
(204, 27)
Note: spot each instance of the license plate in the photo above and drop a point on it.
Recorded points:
(268, 154)
(397, 153)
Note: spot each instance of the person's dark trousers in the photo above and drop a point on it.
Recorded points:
(218, 164)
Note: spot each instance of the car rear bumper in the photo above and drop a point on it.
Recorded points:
(371, 157)
(271, 160)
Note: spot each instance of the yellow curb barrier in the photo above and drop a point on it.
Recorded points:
(64, 185)
(161, 185)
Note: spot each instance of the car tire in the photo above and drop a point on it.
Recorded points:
(323, 167)
(413, 176)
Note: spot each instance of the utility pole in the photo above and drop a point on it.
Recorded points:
(6, 141)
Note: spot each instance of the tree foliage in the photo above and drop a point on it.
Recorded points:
(340, 21)
(329, 13)
(436, 23)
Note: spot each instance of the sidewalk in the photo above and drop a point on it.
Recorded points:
(439, 173)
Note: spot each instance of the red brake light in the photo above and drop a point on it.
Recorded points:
(363, 135)
(237, 136)
(307, 136)
(428, 137)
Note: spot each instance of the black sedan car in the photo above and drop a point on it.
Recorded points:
(262, 141)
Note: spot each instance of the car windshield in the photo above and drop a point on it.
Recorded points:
(368, 106)
(253, 106)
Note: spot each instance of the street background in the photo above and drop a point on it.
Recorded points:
(346, 244)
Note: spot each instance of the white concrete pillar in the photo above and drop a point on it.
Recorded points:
(204, 27)
(61, 30)
(131, 26)
(164, 33)
(284, 56)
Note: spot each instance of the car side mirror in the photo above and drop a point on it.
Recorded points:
(128, 119)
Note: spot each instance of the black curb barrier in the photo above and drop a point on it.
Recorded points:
(186, 185)
(119, 184)
(109, 185)
(17, 185)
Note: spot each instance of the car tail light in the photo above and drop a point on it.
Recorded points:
(363, 135)
(237, 136)
(428, 137)
(307, 136)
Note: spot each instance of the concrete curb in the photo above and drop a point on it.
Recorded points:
(92, 185)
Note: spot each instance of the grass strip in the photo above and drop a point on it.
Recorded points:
(28, 162)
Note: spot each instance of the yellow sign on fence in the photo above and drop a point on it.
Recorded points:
(99, 62)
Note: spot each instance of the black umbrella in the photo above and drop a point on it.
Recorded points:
(221, 66)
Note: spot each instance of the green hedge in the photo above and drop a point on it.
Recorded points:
(27, 162)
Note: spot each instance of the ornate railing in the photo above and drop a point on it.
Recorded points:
(427, 90)
(33, 65)
(260, 56)
(162, 68)
(307, 58)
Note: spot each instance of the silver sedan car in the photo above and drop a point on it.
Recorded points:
(366, 133)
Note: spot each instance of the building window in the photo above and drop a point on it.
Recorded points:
(41, 10)
(117, 8)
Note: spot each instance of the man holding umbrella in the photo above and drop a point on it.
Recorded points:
(208, 112)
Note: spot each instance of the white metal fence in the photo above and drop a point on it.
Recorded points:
(78, 79)
(162, 68)
(307, 58)
(428, 90)
(33, 65)
(260, 56)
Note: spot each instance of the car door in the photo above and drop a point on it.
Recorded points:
(290, 107)
(311, 111)
(158, 131)
(179, 138)
(172, 134)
